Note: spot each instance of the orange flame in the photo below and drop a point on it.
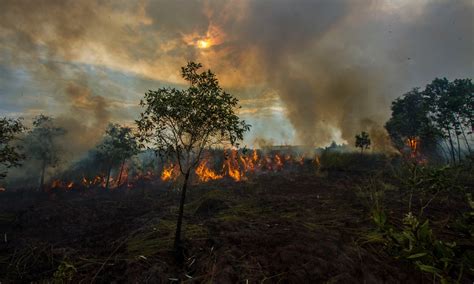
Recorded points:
(169, 173)
(231, 166)
(205, 174)
(70, 184)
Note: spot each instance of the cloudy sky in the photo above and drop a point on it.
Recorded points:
(306, 72)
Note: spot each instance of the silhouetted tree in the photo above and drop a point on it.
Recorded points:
(183, 123)
(440, 117)
(450, 107)
(10, 155)
(362, 141)
(118, 144)
(42, 144)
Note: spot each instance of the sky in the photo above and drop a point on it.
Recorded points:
(305, 72)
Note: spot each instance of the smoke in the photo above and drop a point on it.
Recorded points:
(82, 135)
(334, 65)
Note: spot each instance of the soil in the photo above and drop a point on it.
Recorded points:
(273, 228)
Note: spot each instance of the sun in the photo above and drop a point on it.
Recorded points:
(203, 43)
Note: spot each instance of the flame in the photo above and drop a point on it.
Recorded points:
(169, 173)
(205, 174)
(278, 163)
(2, 189)
(413, 143)
(231, 165)
(70, 184)
(317, 161)
(56, 183)
(122, 177)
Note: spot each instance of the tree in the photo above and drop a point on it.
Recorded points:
(118, 144)
(42, 144)
(181, 124)
(362, 141)
(440, 117)
(9, 154)
(409, 123)
(451, 108)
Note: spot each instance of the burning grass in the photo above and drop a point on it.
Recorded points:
(298, 223)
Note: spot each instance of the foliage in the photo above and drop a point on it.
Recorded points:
(64, 273)
(42, 143)
(181, 124)
(451, 108)
(118, 144)
(350, 161)
(440, 116)
(9, 154)
(465, 224)
(427, 182)
(415, 243)
(410, 120)
(362, 141)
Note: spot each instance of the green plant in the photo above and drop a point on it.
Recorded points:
(64, 273)
(426, 183)
(415, 243)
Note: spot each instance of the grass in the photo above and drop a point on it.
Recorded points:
(160, 237)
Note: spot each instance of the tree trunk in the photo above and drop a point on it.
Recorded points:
(43, 170)
(120, 174)
(177, 238)
(453, 156)
(108, 178)
(465, 139)
(459, 146)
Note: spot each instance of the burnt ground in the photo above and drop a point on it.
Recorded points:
(292, 228)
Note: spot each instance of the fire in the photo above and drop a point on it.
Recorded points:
(278, 163)
(317, 161)
(2, 189)
(56, 183)
(122, 177)
(237, 165)
(205, 174)
(231, 166)
(169, 173)
(413, 143)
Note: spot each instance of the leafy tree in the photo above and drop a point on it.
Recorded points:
(451, 108)
(9, 154)
(410, 121)
(42, 144)
(362, 141)
(440, 116)
(181, 124)
(118, 144)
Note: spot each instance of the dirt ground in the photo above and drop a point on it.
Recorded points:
(274, 228)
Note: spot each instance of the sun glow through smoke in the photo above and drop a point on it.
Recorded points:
(203, 43)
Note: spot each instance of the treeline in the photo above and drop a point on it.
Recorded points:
(436, 121)
(42, 145)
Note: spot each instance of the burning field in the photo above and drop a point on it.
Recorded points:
(254, 216)
(236, 141)
(229, 164)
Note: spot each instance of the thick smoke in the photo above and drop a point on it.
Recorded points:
(334, 65)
